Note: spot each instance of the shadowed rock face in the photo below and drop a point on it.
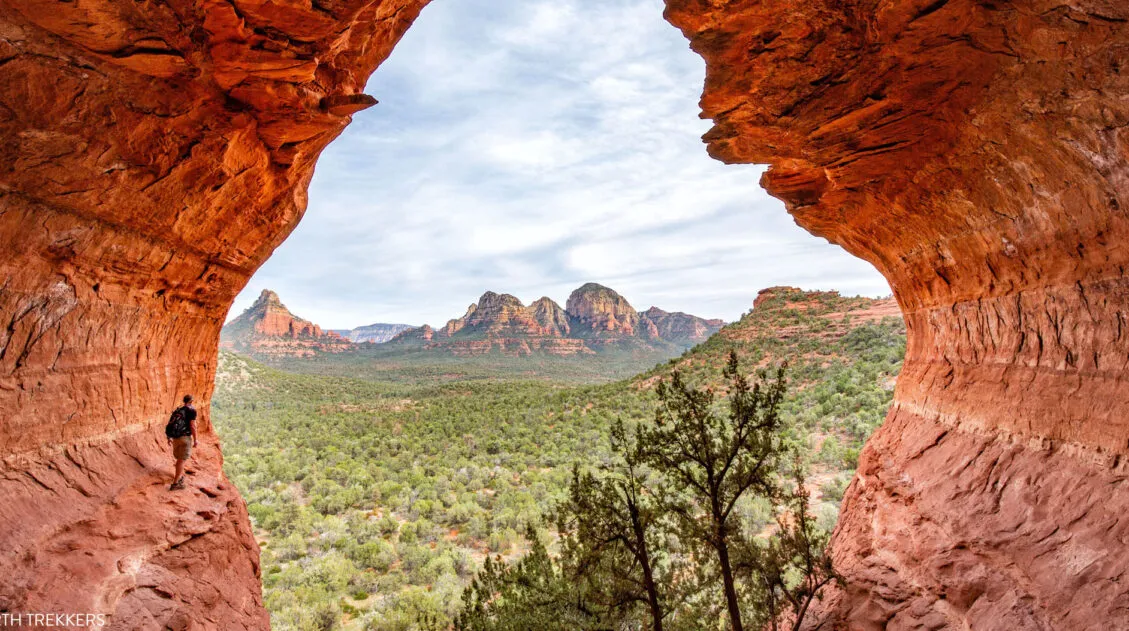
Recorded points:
(976, 154)
(678, 326)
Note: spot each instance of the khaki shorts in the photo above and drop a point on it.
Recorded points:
(182, 447)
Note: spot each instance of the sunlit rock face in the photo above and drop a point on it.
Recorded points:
(267, 328)
(155, 153)
(600, 311)
(976, 154)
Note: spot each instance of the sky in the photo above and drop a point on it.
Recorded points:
(527, 148)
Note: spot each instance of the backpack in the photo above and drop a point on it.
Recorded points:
(178, 424)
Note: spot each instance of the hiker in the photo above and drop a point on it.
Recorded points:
(181, 434)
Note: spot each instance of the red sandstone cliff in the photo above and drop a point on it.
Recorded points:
(553, 319)
(155, 154)
(601, 312)
(499, 314)
(977, 153)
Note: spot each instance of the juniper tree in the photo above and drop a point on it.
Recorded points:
(788, 571)
(612, 533)
(531, 593)
(713, 459)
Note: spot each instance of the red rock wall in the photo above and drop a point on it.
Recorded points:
(155, 155)
(977, 153)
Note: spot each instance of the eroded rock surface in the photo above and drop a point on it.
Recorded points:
(155, 153)
(976, 154)
(122, 544)
(601, 312)
(677, 326)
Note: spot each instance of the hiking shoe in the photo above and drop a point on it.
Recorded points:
(178, 485)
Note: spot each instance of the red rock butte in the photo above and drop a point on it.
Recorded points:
(977, 153)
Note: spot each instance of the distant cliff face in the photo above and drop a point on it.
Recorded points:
(268, 328)
(601, 312)
(554, 321)
(596, 318)
(678, 326)
(499, 315)
(377, 333)
(420, 334)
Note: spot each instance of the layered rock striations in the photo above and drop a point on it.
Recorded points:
(600, 312)
(155, 155)
(497, 315)
(977, 154)
(267, 328)
(597, 318)
(554, 320)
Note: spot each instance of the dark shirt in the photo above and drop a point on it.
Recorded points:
(190, 416)
(190, 413)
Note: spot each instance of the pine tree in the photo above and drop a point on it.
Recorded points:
(631, 531)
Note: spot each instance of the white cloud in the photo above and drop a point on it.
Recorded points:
(528, 148)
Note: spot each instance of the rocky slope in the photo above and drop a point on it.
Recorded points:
(596, 318)
(789, 324)
(975, 152)
(377, 333)
(267, 328)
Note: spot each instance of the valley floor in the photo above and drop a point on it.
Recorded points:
(375, 502)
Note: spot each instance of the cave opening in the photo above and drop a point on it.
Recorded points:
(525, 149)
(528, 149)
(973, 152)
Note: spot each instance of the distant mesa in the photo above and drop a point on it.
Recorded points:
(595, 318)
(377, 333)
(783, 313)
(784, 324)
(268, 328)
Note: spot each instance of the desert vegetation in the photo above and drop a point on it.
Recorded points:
(376, 504)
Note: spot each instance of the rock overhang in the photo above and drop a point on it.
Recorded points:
(975, 152)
